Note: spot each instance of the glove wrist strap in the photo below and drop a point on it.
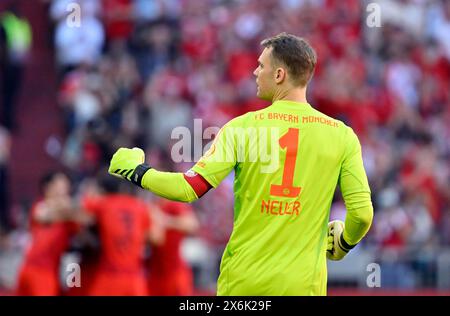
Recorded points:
(344, 245)
(138, 174)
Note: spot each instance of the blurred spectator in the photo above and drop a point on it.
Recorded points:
(154, 46)
(439, 24)
(149, 11)
(167, 109)
(81, 45)
(5, 152)
(409, 15)
(118, 18)
(14, 53)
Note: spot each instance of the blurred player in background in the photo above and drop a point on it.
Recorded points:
(124, 227)
(86, 243)
(169, 274)
(281, 236)
(52, 225)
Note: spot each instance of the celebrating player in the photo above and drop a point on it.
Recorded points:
(124, 226)
(52, 226)
(288, 159)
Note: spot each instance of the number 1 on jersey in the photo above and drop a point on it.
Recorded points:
(287, 189)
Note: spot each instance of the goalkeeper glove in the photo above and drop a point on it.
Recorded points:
(337, 247)
(129, 164)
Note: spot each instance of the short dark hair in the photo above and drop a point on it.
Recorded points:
(110, 184)
(295, 53)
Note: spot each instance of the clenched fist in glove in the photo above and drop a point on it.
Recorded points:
(337, 247)
(129, 164)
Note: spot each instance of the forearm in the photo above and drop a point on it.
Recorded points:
(129, 164)
(187, 223)
(359, 217)
(169, 185)
(53, 211)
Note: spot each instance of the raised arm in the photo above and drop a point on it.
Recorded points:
(129, 164)
(208, 172)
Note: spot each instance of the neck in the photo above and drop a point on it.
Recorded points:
(292, 94)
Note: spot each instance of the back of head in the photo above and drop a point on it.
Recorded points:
(295, 53)
(109, 183)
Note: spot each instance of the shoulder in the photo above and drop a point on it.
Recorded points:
(342, 131)
(239, 121)
(351, 140)
(338, 123)
(349, 132)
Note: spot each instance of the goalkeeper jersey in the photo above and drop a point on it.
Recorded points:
(288, 159)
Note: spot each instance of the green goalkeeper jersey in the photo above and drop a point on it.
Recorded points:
(288, 159)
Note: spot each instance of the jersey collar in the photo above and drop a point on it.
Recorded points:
(291, 104)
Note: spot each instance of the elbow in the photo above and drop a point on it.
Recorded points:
(190, 195)
(191, 198)
(185, 198)
(359, 205)
(366, 217)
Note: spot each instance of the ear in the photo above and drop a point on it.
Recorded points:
(280, 75)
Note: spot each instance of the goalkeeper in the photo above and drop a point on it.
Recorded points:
(281, 236)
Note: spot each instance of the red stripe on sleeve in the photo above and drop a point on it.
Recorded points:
(198, 183)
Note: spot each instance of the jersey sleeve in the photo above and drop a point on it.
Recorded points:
(221, 157)
(355, 191)
(352, 177)
(169, 185)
